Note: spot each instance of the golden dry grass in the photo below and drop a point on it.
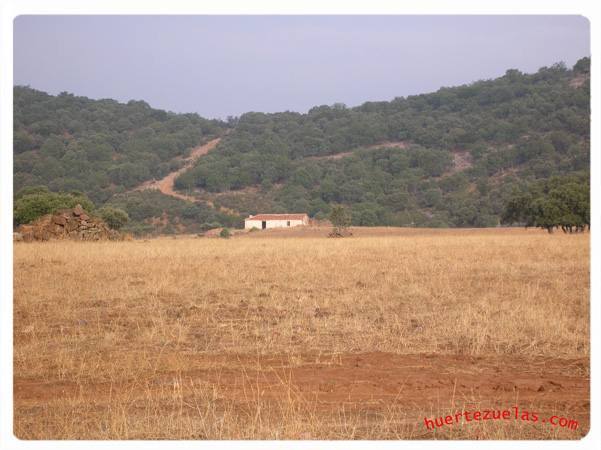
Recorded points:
(172, 338)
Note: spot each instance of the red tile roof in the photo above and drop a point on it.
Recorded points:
(278, 217)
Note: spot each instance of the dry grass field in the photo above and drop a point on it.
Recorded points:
(296, 336)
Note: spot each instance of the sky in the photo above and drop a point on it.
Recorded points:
(228, 65)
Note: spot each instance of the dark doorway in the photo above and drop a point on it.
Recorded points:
(263, 225)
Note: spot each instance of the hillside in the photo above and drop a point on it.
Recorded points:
(448, 158)
(106, 150)
(100, 147)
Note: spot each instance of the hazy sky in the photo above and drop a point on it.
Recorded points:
(227, 65)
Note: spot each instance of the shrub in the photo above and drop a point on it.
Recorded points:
(225, 233)
(209, 226)
(115, 218)
(37, 202)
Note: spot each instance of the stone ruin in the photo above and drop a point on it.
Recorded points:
(72, 223)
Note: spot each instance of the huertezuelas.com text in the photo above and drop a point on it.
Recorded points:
(512, 413)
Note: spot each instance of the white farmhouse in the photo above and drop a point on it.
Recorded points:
(263, 221)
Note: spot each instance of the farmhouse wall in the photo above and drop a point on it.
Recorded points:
(248, 224)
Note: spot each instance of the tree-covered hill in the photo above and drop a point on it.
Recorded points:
(99, 147)
(449, 158)
(463, 151)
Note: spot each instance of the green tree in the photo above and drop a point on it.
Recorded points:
(583, 65)
(341, 220)
(558, 202)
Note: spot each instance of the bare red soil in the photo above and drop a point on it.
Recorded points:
(423, 385)
(461, 160)
(578, 81)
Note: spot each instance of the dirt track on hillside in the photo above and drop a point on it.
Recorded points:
(166, 184)
(340, 155)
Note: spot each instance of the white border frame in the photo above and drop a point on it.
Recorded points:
(9, 9)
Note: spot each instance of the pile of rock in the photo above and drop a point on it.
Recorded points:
(66, 224)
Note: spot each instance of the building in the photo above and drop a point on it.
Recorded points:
(263, 221)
